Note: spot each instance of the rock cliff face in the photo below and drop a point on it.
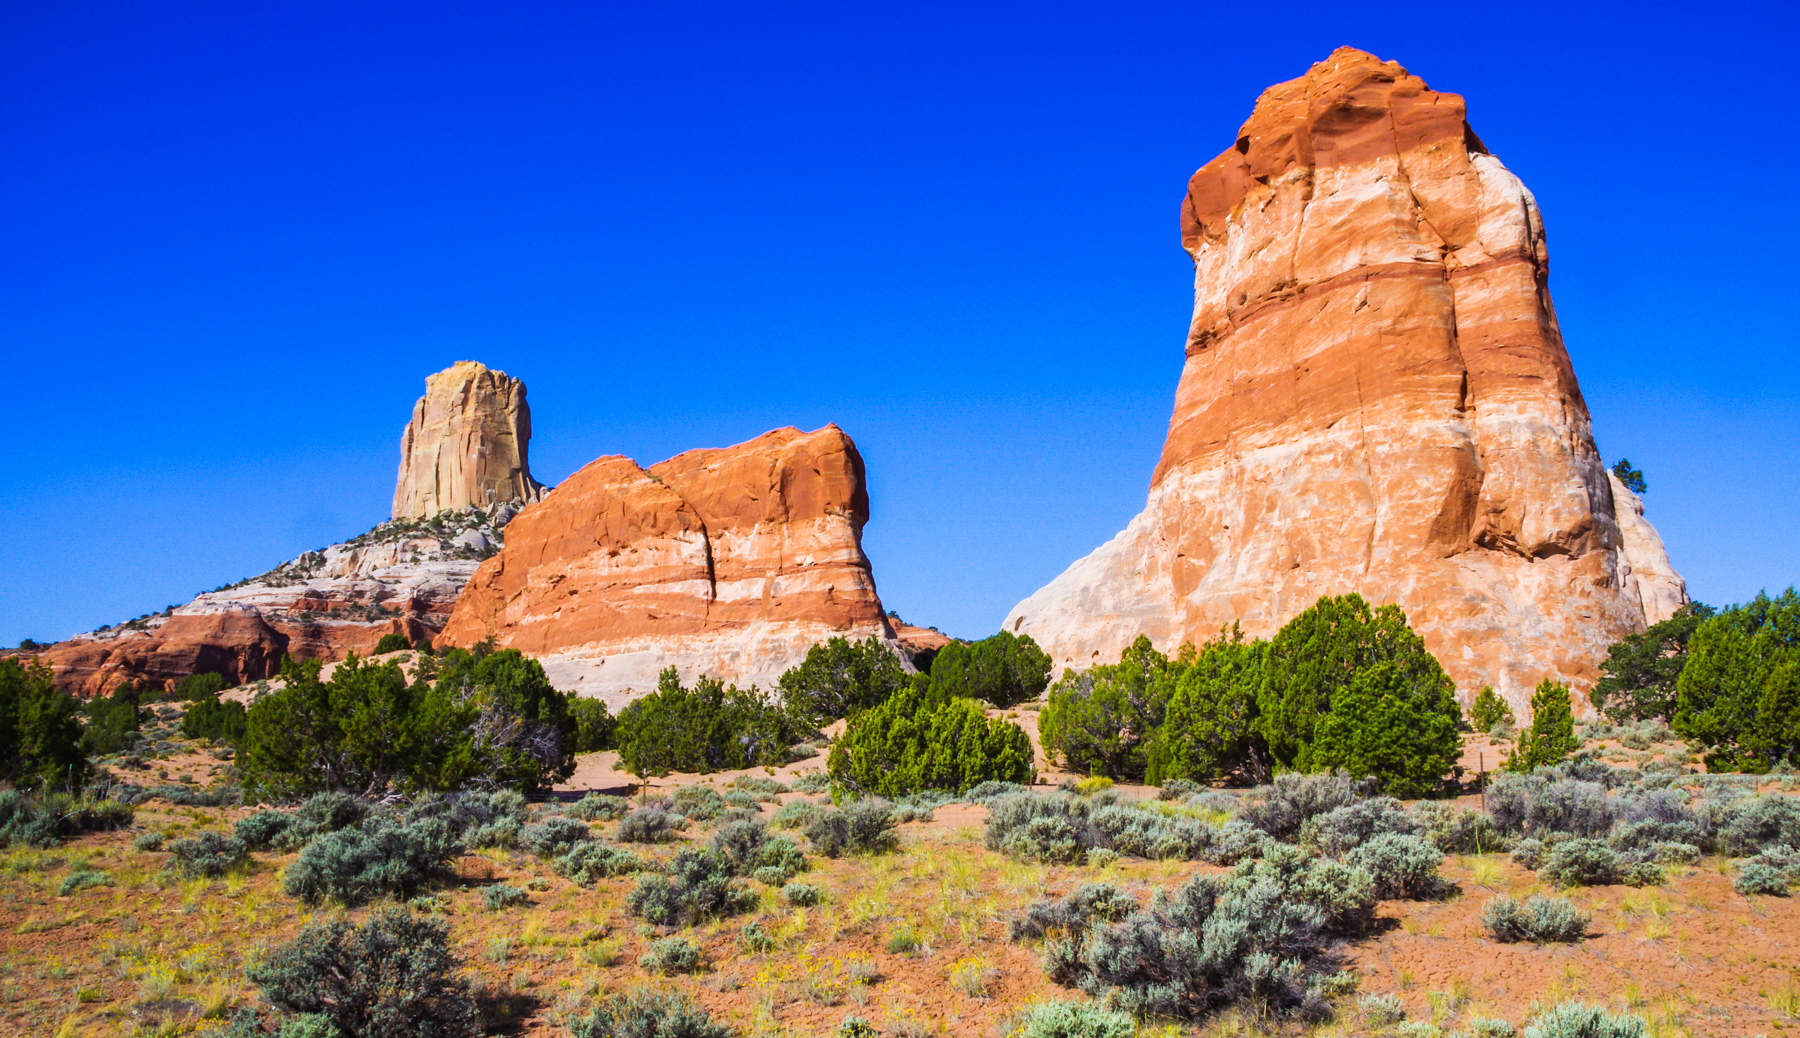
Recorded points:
(1376, 398)
(729, 562)
(463, 476)
(466, 444)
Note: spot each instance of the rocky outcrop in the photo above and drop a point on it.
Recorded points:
(463, 476)
(1376, 398)
(729, 562)
(466, 445)
(402, 577)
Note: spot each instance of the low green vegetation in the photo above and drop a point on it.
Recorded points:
(922, 738)
(1001, 670)
(40, 729)
(1340, 686)
(490, 718)
(710, 727)
(1550, 738)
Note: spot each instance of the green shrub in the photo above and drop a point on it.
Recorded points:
(553, 835)
(391, 642)
(1284, 805)
(1537, 919)
(1530, 854)
(1402, 865)
(812, 782)
(1073, 913)
(1056, 1019)
(794, 814)
(1755, 823)
(587, 862)
(489, 718)
(755, 940)
(1489, 711)
(671, 955)
(802, 895)
(197, 687)
(1581, 862)
(1346, 686)
(1101, 720)
(353, 865)
(598, 807)
(839, 678)
(498, 896)
(1638, 677)
(746, 848)
(762, 788)
(392, 977)
(704, 729)
(1550, 738)
(1002, 670)
(651, 825)
(47, 819)
(82, 877)
(1459, 830)
(1255, 938)
(208, 856)
(492, 818)
(1541, 804)
(700, 803)
(644, 1013)
(1738, 697)
(1578, 1020)
(150, 841)
(1340, 830)
(595, 727)
(865, 826)
(698, 886)
(113, 721)
(919, 739)
(217, 719)
(1771, 872)
(40, 730)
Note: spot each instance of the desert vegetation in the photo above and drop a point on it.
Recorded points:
(915, 878)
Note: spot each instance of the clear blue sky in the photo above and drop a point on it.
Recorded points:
(236, 237)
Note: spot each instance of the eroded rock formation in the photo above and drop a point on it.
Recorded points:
(466, 446)
(463, 476)
(1376, 398)
(728, 562)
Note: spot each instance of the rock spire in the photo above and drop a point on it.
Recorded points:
(466, 444)
(1376, 398)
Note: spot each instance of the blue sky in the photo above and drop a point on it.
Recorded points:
(234, 238)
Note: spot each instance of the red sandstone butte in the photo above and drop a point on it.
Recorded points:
(1376, 398)
(728, 562)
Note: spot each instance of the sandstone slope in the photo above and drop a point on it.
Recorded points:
(1376, 398)
(729, 562)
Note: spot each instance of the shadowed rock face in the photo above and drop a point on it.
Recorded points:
(466, 445)
(728, 562)
(1375, 398)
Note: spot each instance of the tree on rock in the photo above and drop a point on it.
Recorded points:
(1631, 478)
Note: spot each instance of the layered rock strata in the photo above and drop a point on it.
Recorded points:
(467, 444)
(729, 562)
(1376, 398)
(402, 577)
(463, 476)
